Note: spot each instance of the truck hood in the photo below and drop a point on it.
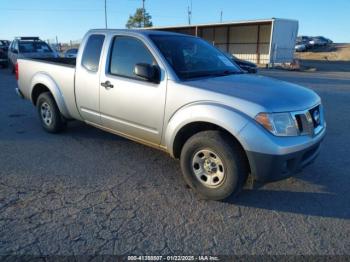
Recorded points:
(268, 94)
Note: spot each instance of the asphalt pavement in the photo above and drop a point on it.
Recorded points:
(85, 191)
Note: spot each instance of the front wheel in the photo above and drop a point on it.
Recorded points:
(213, 164)
(50, 116)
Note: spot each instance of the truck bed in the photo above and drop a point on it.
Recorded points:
(57, 72)
(58, 60)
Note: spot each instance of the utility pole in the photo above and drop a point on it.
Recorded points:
(143, 13)
(106, 14)
(221, 17)
(189, 12)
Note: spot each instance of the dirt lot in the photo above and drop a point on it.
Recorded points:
(88, 192)
(334, 52)
(335, 58)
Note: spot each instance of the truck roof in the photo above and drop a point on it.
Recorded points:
(144, 32)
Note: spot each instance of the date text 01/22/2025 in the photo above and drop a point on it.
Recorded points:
(173, 258)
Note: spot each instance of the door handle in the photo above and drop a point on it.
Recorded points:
(107, 85)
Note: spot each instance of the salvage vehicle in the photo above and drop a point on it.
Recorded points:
(182, 95)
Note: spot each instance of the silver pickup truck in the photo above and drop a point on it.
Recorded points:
(180, 94)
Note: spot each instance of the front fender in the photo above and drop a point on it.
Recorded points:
(226, 117)
(44, 79)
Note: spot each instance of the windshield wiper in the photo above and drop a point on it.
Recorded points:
(191, 75)
(225, 73)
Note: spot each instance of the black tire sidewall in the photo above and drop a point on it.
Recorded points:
(57, 122)
(234, 170)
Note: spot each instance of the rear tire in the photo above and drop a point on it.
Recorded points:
(214, 165)
(50, 116)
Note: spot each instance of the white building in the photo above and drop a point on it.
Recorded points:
(265, 41)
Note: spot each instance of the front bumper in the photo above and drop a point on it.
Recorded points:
(266, 167)
(273, 158)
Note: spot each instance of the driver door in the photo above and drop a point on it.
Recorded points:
(130, 105)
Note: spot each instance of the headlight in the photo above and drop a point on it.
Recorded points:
(279, 124)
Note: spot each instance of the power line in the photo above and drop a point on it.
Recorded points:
(106, 14)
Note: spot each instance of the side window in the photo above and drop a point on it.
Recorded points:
(126, 53)
(92, 52)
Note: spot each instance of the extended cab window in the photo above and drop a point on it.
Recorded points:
(92, 52)
(126, 53)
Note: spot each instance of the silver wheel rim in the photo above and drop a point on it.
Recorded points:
(46, 113)
(208, 168)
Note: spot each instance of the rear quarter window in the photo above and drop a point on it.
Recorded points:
(92, 52)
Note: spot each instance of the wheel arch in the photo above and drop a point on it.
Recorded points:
(40, 83)
(202, 117)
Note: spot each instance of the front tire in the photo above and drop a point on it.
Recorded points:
(214, 165)
(50, 116)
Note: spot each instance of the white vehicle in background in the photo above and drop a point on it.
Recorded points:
(300, 48)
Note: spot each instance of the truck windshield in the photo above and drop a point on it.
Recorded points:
(193, 57)
(34, 47)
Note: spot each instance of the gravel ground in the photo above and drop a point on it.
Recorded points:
(89, 192)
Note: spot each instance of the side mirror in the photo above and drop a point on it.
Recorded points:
(148, 72)
(15, 51)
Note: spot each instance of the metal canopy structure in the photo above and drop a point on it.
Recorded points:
(265, 41)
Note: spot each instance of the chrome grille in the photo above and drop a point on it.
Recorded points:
(309, 122)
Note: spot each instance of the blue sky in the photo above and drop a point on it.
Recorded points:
(70, 19)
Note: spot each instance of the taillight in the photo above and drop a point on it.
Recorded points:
(16, 71)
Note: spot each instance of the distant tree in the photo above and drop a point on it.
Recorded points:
(138, 20)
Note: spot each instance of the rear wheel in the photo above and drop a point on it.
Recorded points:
(50, 117)
(213, 164)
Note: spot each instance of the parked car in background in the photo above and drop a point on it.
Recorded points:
(180, 94)
(300, 47)
(71, 53)
(320, 41)
(56, 47)
(4, 45)
(246, 66)
(29, 47)
(304, 43)
(304, 40)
